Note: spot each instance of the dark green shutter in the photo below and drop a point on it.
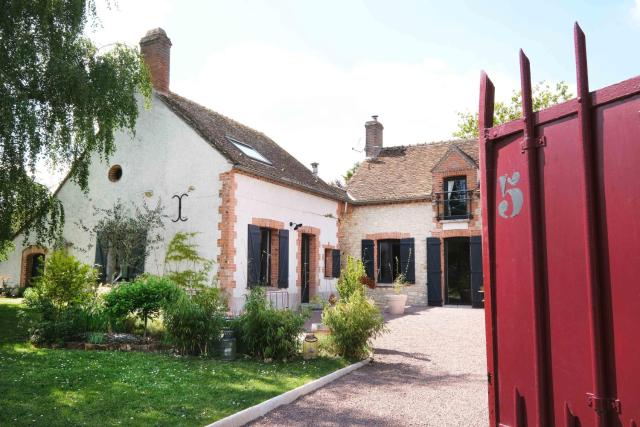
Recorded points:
(475, 249)
(283, 259)
(253, 256)
(407, 259)
(434, 271)
(137, 266)
(101, 260)
(335, 263)
(367, 257)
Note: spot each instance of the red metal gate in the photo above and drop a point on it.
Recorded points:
(561, 244)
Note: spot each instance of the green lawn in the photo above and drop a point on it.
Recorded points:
(73, 387)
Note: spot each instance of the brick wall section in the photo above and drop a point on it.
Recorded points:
(27, 259)
(155, 48)
(226, 243)
(457, 165)
(314, 260)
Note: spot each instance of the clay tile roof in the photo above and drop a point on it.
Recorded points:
(220, 131)
(403, 172)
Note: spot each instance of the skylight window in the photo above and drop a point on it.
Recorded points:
(249, 151)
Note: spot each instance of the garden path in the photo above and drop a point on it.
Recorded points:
(430, 370)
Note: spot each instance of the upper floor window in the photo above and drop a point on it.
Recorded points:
(456, 198)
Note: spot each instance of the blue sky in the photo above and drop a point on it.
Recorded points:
(309, 74)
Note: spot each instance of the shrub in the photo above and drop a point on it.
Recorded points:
(63, 300)
(353, 322)
(351, 277)
(266, 332)
(66, 282)
(144, 298)
(194, 324)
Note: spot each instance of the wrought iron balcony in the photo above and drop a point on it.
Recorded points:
(454, 204)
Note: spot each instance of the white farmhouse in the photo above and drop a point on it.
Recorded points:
(261, 215)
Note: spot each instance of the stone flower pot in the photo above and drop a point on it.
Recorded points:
(397, 303)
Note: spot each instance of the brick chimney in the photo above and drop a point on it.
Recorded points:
(373, 130)
(314, 169)
(155, 48)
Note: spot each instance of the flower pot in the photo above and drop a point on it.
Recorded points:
(397, 303)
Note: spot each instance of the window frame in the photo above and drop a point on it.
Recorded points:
(265, 257)
(394, 248)
(249, 151)
(458, 202)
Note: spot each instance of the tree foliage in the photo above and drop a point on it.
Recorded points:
(544, 95)
(61, 100)
(349, 173)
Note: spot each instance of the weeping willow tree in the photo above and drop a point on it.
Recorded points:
(61, 101)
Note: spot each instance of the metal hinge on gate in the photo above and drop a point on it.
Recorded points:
(532, 142)
(603, 404)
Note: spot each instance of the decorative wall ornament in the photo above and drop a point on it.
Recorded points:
(179, 197)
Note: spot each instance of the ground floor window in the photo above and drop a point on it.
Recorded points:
(385, 259)
(388, 260)
(121, 262)
(267, 257)
(35, 266)
(331, 263)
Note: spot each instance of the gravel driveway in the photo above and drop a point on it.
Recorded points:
(429, 370)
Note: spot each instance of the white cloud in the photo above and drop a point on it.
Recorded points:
(635, 10)
(128, 20)
(316, 110)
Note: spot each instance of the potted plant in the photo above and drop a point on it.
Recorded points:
(398, 300)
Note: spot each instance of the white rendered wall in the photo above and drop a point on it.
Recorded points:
(166, 157)
(260, 199)
(416, 219)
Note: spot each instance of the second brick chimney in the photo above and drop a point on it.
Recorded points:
(155, 48)
(373, 130)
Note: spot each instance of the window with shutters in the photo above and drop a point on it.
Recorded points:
(113, 266)
(328, 263)
(388, 260)
(268, 257)
(265, 257)
(391, 257)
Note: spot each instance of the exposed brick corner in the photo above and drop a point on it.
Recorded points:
(226, 243)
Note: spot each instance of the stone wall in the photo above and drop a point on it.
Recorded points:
(413, 219)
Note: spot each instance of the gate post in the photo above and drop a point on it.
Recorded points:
(592, 240)
(487, 178)
(530, 148)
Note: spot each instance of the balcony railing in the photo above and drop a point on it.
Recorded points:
(454, 204)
